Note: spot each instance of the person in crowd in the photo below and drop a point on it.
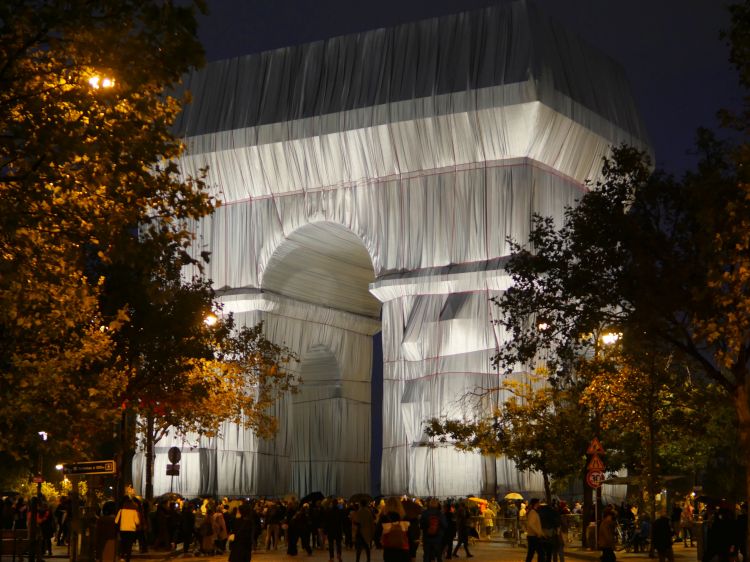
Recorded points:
(300, 530)
(393, 529)
(274, 518)
(20, 514)
(433, 525)
(128, 520)
(363, 524)
(606, 538)
(45, 522)
(534, 532)
(106, 534)
(450, 530)
(220, 529)
(162, 525)
(662, 535)
(62, 516)
(463, 524)
(187, 527)
(141, 533)
(206, 533)
(686, 524)
(244, 535)
(642, 534)
(721, 537)
(333, 519)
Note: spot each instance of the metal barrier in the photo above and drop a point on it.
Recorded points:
(14, 543)
(513, 529)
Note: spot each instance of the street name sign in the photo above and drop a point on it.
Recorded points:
(90, 467)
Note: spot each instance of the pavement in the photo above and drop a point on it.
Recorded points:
(483, 551)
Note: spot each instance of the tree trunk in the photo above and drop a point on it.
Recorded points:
(742, 406)
(125, 453)
(547, 487)
(588, 510)
(150, 457)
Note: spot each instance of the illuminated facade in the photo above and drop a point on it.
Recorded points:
(370, 183)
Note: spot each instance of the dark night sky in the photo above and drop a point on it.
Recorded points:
(671, 50)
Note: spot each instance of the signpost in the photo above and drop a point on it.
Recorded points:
(174, 454)
(594, 479)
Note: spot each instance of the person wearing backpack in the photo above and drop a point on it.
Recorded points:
(394, 531)
(463, 524)
(433, 525)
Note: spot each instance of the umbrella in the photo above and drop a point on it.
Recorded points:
(412, 509)
(169, 496)
(513, 496)
(363, 499)
(313, 497)
(476, 499)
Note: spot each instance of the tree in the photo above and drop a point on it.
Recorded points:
(96, 318)
(183, 373)
(537, 427)
(662, 414)
(655, 258)
(84, 120)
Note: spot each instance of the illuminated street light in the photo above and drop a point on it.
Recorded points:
(211, 319)
(610, 338)
(59, 466)
(97, 82)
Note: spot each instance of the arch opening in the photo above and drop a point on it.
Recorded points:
(331, 418)
(324, 264)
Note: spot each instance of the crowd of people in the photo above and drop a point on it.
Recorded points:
(397, 526)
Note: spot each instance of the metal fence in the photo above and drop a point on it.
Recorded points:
(513, 529)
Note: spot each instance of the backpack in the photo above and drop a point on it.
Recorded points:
(395, 536)
(433, 525)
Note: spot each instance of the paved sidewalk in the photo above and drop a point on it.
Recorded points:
(483, 551)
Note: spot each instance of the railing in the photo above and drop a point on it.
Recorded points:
(513, 529)
(14, 543)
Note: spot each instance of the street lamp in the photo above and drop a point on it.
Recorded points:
(211, 319)
(610, 338)
(98, 82)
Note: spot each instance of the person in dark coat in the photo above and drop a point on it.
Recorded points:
(333, 518)
(106, 534)
(450, 531)
(433, 525)
(661, 535)
(462, 526)
(722, 536)
(244, 536)
(187, 526)
(364, 523)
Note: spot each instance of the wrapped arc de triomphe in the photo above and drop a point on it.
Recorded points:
(370, 183)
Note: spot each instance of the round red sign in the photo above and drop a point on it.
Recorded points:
(594, 478)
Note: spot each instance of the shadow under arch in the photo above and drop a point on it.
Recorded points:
(326, 264)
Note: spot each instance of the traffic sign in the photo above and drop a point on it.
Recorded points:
(595, 464)
(174, 454)
(595, 448)
(37, 479)
(594, 478)
(173, 470)
(90, 467)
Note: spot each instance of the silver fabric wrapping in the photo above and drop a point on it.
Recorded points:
(370, 183)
